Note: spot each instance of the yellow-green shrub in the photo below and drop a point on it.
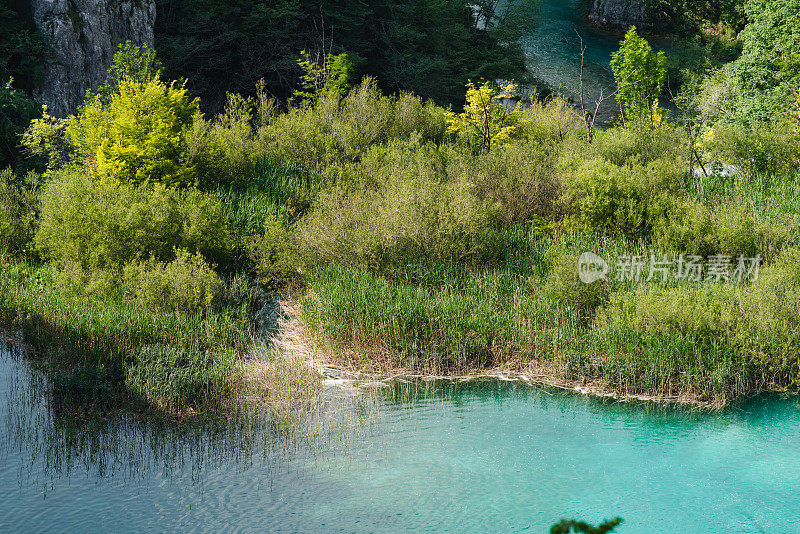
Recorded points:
(602, 197)
(563, 284)
(136, 134)
(18, 206)
(273, 254)
(187, 283)
(395, 205)
(700, 311)
(107, 223)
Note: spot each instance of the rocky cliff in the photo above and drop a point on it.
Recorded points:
(84, 35)
(622, 14)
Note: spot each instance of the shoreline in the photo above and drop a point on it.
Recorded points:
(295, 339)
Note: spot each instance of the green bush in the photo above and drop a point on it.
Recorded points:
(618, 200)
(18, 212)
(135, 135)
(187, 283)
(763, 148)
(638, 142)
(563, 284)
(690, 227)
(700, 311)
(771, 310)
(108, 223)
(396, 205)
(273, 254)
(520, 180)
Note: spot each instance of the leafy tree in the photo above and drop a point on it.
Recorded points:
(137, 135)
(22, 48)
(485, 118)
(22, 54)
(131, 130)
(567, 526)
(321, 75)
(640, 73)
(131, 62)
(16, 112)
(767, 74)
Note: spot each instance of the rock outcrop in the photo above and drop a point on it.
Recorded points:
(622, 14)
(84, 35)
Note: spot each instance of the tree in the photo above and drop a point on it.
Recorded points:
(428, 47)
(640, 74)
(767, 74)
(131, 130)
(485, 116)
(322, 74)
(22, 55)
(137, 135)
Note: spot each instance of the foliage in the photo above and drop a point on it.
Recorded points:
(273, 254)
(186, 283)
(485, 117)
(107, 223)
(16, 112)
(329, 74)
(23, 49)
(428, 48)
(403, 209)
(768, 72)
(137, 135)
(44, 138)
(640, 73)
(18, 212)
(131, 62)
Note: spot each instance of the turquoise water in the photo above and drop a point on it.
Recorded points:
(554, 49)
(491, 457)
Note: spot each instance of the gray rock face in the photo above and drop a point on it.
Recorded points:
(622, 14)
(84, 35)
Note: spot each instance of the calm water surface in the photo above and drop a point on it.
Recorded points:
(488, 457)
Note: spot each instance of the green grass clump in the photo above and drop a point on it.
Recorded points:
(79, 333)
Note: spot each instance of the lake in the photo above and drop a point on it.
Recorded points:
(490, 456)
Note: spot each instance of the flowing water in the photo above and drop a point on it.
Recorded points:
(491, 457)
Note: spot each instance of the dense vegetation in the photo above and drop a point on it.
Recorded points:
(22, 53)
(413, 237)
(429, 48)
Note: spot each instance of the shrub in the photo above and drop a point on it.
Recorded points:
(772, 148)
(619, 200)
(187, 283)
(107, 223)
(771, 310)
(135, 135)
(690, 227)
(18, 212)
(638, 142)
(704, 311)
(519, 179)
(273, 254)
(549, 122)
(394, 206)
